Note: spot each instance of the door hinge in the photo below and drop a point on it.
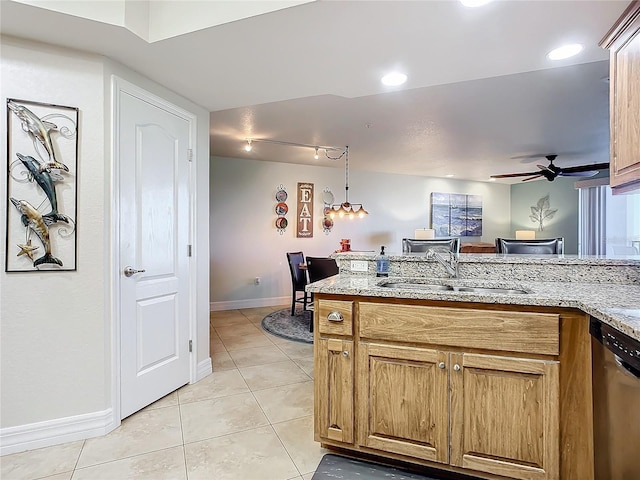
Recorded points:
(191, 345)
(190, 155)
(189, 250)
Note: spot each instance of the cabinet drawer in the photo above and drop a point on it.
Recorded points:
(525, 332)
(335, 317)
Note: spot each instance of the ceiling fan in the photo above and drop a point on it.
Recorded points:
(552, 171)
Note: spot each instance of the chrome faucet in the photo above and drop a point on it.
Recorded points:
(451, 265)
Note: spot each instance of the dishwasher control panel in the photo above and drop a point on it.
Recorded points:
(622, 345)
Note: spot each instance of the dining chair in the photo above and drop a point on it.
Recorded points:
(298, 281)
(542, 246)
(319, 268)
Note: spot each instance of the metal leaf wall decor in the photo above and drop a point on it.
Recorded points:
(541, 212)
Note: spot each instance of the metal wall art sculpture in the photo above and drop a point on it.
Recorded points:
(541, 212)
(42, 151)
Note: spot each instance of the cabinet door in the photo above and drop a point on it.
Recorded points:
(624, 42)
(403, 401)
(333, 385)
(626, 111)
(504, 415)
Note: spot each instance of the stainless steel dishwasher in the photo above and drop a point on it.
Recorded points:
(616, 403)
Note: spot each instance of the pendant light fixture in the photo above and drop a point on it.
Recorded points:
(347, 209)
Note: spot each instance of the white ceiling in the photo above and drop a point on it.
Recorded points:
(480, 89)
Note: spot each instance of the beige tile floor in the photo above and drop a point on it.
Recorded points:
(250, 419)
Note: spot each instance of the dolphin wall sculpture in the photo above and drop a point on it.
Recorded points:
(40, 130)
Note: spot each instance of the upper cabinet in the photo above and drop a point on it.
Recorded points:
(623, 41)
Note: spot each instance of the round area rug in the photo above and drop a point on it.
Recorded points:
(296, 328)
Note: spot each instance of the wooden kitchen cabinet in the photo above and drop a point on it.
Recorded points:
(403, 404)
(333, 371)
(504, 415)
(623, 42)
(493, 414)
(467, 388)
(333, 384)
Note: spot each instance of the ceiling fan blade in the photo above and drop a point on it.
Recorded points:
(590, 173)
(532, 178)
(545, 169)
(585, 168)
(509, 175)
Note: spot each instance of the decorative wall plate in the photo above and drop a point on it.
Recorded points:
(282, 208)
(281, 223)
(281, 195)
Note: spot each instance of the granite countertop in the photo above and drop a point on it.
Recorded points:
(615, 304)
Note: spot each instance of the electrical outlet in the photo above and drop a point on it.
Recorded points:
(359, 266)
(256, 281)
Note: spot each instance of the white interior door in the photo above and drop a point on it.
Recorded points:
(153, 149)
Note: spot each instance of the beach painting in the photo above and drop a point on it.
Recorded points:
(456, 214)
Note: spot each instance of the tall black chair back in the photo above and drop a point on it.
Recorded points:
(298, 280)
(321, 267)
(542, 246)
(419, 245)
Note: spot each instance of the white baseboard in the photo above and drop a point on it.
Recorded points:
(249, 303)
(204, 368)
(54, 432)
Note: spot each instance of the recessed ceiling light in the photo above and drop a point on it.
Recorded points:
(449, 176)
(394, 79)
(492, 179)
(474, 3)
(565, 51)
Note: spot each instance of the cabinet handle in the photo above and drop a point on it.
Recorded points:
(456, 367)
(345, 353)
(441, 365)
(335, 317)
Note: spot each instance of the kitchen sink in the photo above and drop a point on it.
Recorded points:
(451, 288)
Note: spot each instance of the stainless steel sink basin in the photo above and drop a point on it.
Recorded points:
(451, 288)
(417, 286)
(509, 291)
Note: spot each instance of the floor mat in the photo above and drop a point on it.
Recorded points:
(337, 467)
(295, 327)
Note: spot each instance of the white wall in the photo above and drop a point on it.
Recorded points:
(52, 342)
(55, 327)
(245, 243)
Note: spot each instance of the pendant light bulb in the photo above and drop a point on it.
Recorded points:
(248, 146)
(316, 156)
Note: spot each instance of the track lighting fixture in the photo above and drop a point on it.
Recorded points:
(341, 210)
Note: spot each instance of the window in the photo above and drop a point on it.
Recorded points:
(608, 224)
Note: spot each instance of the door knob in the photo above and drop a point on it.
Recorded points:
(128, 271)
(456, 367)
(441, 365)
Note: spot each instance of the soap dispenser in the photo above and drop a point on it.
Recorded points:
(382, 264)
